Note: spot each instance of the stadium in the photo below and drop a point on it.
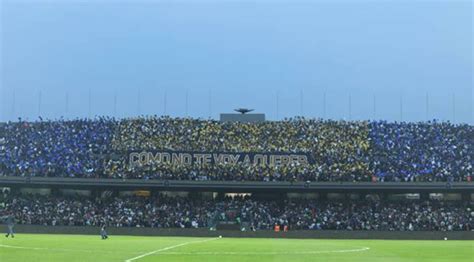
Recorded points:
(222, 207)
(228, 131)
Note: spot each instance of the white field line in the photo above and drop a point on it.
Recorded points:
(361, 249)
(168, 248)
(64, 249)
(243, 253)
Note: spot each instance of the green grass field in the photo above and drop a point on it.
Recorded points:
(69, 248)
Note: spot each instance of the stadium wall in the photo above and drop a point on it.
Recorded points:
(234, 186)
(326, 234)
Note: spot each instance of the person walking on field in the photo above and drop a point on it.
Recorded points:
(10, 221)
(103, 233)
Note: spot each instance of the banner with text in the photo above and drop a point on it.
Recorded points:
(150, 158)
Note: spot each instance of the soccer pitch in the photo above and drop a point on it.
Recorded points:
(28, 247)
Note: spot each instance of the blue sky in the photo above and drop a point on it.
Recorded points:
(132, 56)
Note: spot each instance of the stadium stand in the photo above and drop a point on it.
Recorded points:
(160, 211)
(352, 151)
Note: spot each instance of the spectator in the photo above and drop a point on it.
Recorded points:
(178, 212)
(353, 151)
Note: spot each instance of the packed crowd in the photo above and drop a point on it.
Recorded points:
(422, 151)
(339, 149)
(55, 148)
(342, 150)
(177, 212)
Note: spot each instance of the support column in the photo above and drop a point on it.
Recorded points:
(424, 196)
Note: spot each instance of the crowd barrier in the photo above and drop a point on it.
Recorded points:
(202, 232)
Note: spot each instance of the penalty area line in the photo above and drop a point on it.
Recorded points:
(168, 248)
(263, 253)
(65, 249)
